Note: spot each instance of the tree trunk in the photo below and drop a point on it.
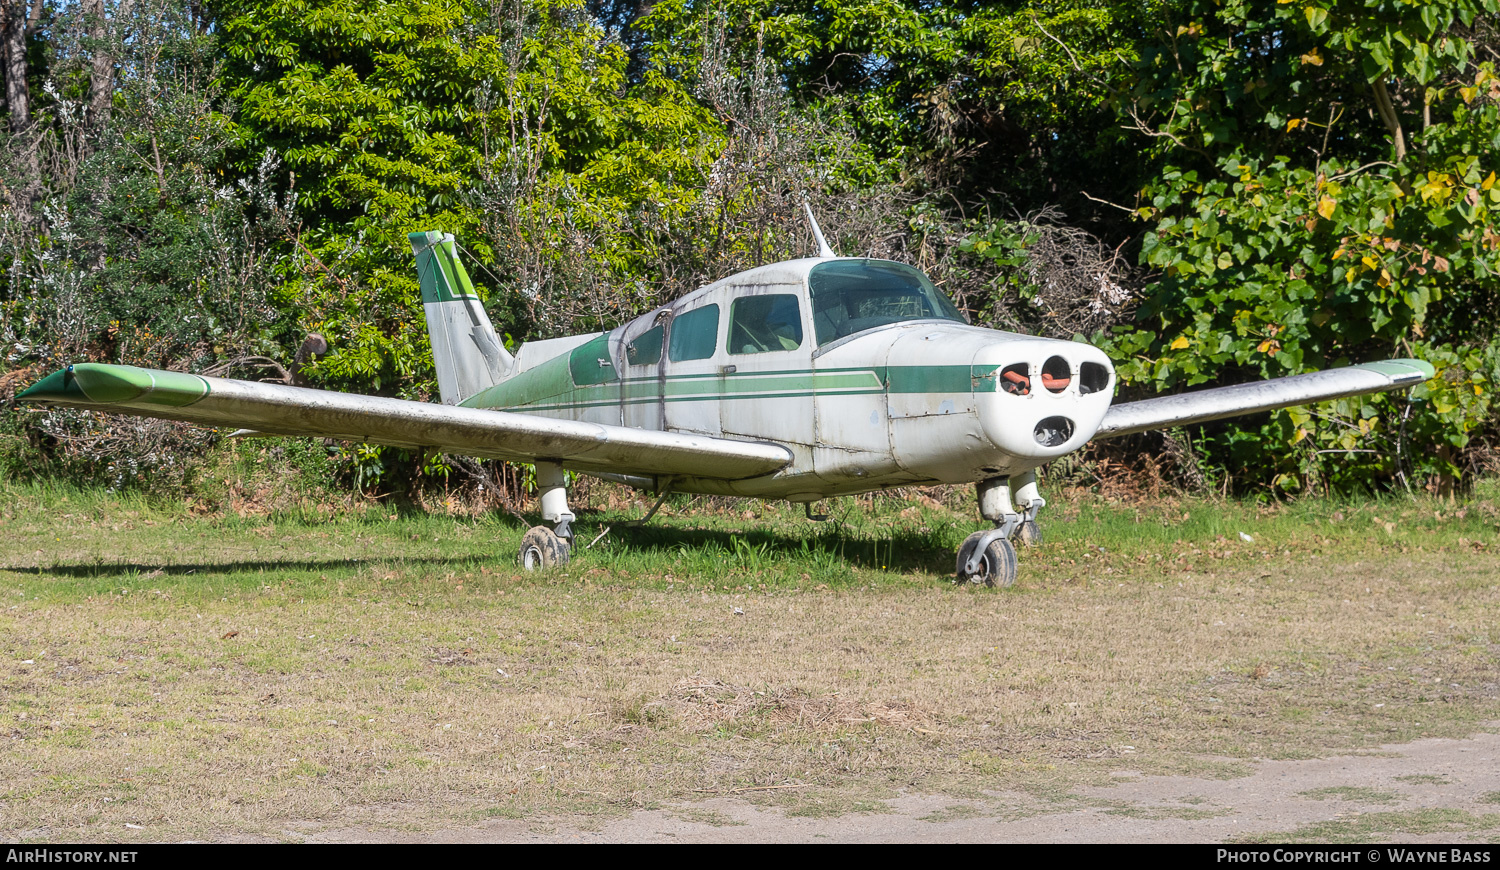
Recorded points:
(17, 27)
(103, 39)
(1388, 115)
(102, 66)
(17, 96)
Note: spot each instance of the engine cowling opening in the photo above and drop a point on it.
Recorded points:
(1056, 374)
(1053, 431)
(1016, 379)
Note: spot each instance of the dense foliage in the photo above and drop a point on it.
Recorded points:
(1326, 195)
(1215, 190)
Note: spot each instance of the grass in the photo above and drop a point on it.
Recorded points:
(954, 813)
(199, 675)
(706, 817)
(1375, 827)
(1354, 794)
(1190, 814)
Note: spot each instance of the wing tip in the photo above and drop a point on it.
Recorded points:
(1404, 370)
(60, 386)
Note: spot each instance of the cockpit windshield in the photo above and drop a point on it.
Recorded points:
(850, 296)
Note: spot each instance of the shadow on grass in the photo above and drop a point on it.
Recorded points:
(823, 549)
(899, 550)
(110, 569)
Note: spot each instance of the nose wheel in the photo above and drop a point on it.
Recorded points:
(996, 565)
(989, 557)
(542, 548)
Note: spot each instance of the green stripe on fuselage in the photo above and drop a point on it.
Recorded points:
(930, 379)
(545, 388)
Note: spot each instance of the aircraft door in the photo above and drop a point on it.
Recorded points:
(767, 378)
(642, 380)
(695, 357)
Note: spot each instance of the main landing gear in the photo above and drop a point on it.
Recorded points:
(542, 547)
(989, 557)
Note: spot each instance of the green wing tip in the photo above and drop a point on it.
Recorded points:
(109, 384)
(1408, 372)
(60, 386)
(106, 384)
(90, 383)
(1427, 368)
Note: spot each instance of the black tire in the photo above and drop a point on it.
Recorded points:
(996, 568)
(1030, 534)
(541, 548)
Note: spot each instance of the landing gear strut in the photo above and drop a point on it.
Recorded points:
(989, 557)
(542, 547)
(1031, 502)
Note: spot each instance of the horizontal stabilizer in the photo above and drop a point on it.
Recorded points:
(1202, 406)
(272, 409)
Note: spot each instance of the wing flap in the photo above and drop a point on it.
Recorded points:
(1202, 406)
(273, 409)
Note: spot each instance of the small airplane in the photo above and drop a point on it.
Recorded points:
(800, 380)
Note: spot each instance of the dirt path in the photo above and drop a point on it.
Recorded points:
(1433, 790)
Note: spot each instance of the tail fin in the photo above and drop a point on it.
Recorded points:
(468, 355)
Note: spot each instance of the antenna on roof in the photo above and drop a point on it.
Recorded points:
(823, 249)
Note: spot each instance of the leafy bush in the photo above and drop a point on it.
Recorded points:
(1292, 227)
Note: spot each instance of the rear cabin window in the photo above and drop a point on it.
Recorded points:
(645, 350)
(589, 363)
(694, 334)
(762, 324)
(850, 296)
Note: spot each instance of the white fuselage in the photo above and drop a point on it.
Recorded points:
(919, 400)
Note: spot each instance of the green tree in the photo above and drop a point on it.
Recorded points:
(1001, 103)
(1327, 195)
(129, 242)
(509, 124)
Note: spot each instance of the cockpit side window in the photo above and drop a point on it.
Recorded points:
(694, 334)
(850, 296)
(761, 324)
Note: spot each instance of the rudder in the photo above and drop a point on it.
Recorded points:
(468, 355)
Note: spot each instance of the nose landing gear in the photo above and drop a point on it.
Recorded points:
(1031, 503)
(989, 557)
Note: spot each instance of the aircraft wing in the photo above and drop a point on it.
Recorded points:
(1202, 406)
(273, 409)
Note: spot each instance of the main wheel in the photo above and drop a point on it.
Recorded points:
(542, 548)
(1030, 534)
(997, 567)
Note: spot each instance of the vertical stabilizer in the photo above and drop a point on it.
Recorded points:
(468, 355)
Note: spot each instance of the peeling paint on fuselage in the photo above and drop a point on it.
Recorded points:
(907, 403)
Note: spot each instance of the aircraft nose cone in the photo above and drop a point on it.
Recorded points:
(1048, 396)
